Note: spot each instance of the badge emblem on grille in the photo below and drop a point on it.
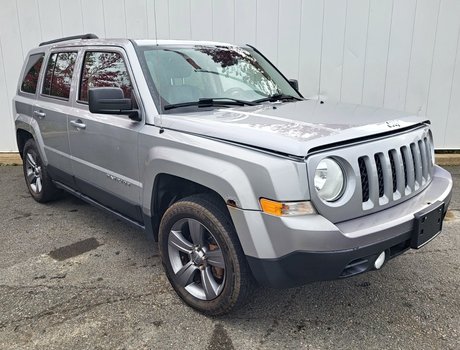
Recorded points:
(393, 124)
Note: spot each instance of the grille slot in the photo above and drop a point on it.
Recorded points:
(417, 163)
(428, 155)
(403, 157)
(393, 170)
(396, 173)
(424, 158)
(364, 179)
(378, 164)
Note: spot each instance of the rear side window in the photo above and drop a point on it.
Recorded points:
(32, 71)
(58, 75)
(104, 69)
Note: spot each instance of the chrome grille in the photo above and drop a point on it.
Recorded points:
(390, 175)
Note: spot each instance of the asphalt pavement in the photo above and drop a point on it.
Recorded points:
(74, 277)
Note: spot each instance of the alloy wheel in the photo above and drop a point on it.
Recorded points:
(34, 173)
(197, 259)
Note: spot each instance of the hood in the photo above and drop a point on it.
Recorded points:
(291, 128)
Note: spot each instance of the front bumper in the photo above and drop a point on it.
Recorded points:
(291, 251)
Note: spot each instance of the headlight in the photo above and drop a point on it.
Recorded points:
(329, 180)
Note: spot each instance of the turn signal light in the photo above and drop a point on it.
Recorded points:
(286, 208)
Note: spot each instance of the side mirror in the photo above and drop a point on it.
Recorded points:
(111, 100)
(294, 83)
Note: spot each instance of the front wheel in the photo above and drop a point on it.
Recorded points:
(202, 256)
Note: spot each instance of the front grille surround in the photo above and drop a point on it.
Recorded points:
(389, 171)
(380, 173)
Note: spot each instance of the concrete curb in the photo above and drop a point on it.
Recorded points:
(12, 158)
(448, 159)
(441, 159)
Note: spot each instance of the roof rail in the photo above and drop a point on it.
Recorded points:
(83, 36)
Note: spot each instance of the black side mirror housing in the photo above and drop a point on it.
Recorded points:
(111, 100)
(294, 83)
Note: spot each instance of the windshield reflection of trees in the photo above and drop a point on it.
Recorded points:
(240, 63)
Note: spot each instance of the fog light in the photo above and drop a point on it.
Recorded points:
(380, 260)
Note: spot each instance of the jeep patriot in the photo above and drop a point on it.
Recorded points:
(210, 150)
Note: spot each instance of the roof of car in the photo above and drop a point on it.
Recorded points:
(150, 42)
(122, 42)
(64, 43)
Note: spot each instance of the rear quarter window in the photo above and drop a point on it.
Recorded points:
(58, 75)
(31, 73)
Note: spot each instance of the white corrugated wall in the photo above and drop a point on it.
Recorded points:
(400, 54)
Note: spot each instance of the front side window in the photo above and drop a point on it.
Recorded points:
(58, 76)
(32, 71)
(104, 69)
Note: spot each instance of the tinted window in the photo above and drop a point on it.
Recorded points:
(104, 69)
(29, 83)
(58, 76)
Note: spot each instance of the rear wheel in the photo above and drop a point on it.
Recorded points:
(202, 256)
(37, 178)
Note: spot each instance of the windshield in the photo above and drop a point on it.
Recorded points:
(178, 75)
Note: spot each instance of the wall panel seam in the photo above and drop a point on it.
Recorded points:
(452, 86)
(37, 3)
(20, 32)
(388, 52)
(300, 39)
(410, 55)
(321, 52)
(60, 18)
(432, 58)
(343, 49)
(365, 51)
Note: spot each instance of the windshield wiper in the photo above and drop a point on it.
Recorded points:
(277, 97)
(211, 102)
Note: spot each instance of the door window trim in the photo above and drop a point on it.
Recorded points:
(80, 77)
(79, 67)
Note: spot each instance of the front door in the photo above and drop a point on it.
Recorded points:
(104, 147)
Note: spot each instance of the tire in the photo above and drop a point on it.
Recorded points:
(37, 178)
(209, 272)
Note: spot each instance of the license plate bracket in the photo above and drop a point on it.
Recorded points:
(428, 224)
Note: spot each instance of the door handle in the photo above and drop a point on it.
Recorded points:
(78, 124)
(40, 114)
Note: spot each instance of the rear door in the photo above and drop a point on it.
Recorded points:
(51, 109)
(105, 147)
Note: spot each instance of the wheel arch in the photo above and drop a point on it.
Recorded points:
(204, 171)
(27, 128)
(170, 174)
(168, 189)
(22, 136)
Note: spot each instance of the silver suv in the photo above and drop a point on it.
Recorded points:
(211, 151)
